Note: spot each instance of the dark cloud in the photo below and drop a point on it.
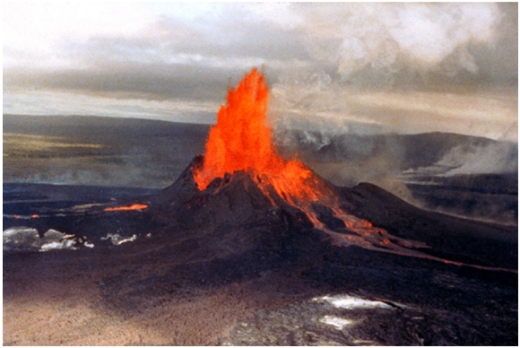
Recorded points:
(234, 35)
(358, 44)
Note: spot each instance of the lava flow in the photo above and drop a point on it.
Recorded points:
(136, 206)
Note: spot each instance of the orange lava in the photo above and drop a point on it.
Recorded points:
(136, 206)
(241, 140)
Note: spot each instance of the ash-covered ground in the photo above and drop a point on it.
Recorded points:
(121, 277)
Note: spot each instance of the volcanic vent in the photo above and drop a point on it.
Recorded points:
(242, 183)
(241, 160)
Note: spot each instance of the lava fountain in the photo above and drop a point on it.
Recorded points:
(241, 141)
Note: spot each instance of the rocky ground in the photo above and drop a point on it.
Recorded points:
(171, 295)
(247, 284)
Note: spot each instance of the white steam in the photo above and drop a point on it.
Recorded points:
(493, 158)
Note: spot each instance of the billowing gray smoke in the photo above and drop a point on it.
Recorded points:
(392, 154)
(490, 158)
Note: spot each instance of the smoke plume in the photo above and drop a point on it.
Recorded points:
(493, 158)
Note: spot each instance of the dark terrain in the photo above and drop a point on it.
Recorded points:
(98, 151)
(226, 266)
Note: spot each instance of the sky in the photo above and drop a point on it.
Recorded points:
(334, 67)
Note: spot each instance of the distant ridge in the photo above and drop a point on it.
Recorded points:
(9, 119)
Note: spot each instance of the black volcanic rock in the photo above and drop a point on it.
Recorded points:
(233, 215)
(454, 238)
(246, 234)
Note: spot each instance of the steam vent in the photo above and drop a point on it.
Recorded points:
(249, 248)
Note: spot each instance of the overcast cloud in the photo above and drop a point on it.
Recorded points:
(347, 66)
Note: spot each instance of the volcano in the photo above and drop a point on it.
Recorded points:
(247, 247)
(256, 215)
(241, 181)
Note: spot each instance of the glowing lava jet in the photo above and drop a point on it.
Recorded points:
(241, 141)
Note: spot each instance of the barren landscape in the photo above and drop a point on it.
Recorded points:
(251, 283)
(274, 173)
